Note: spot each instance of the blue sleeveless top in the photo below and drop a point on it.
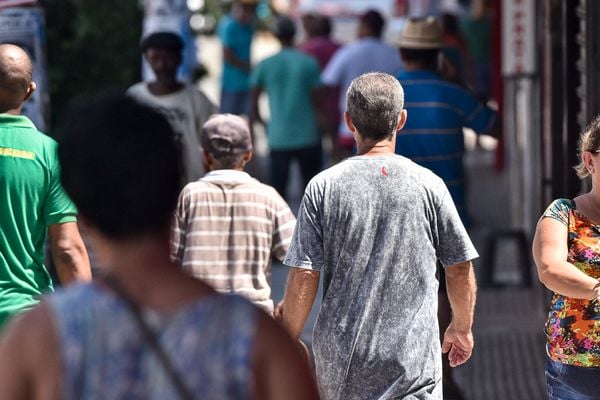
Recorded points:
(104, 354)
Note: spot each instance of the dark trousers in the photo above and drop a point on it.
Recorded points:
(309, 158)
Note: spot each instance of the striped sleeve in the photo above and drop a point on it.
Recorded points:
(283, 229)
(178, 228)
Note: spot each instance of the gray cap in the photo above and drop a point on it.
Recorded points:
(225, 134)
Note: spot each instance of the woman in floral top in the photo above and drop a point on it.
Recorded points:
(566, 249)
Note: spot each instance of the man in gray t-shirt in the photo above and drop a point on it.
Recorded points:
(376, 224)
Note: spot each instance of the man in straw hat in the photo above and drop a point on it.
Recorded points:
(433, 135)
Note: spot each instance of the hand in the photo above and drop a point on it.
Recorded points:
(596, 290)
(278, 311)
(458, 344)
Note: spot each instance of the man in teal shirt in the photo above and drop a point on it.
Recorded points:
(236, 31)
(292, 83)
(32, 201)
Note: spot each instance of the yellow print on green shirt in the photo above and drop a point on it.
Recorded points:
(15, 153)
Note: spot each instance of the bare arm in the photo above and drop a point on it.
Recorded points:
(29, 366)
(69, 253)
(300, 291)
(254, 111)
(230, 57)
(550, 253)
(461, 287)
(280, 371)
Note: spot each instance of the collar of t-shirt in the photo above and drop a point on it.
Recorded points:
(20, 121)
(227, 175)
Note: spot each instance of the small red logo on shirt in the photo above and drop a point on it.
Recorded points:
(384, 171)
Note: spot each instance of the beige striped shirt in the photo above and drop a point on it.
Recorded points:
(227, 228)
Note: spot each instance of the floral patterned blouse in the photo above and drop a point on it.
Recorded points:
(573, 325)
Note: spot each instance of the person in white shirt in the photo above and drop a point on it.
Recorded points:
(183, 104)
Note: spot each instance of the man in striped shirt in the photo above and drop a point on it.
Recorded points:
(228, 226)
(433, 134)
(438, 110)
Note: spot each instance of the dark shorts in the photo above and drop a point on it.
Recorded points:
(568, 382)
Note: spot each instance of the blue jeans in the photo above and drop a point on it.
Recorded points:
(568, 382)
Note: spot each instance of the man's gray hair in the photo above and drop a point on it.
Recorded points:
(374, 102)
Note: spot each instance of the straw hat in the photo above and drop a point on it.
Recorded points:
(421, 33)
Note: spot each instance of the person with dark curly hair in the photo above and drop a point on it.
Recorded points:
(144, 329)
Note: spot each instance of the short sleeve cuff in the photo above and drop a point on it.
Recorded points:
(467, 256)
(61, 219)
(304, 264)
(559, 210)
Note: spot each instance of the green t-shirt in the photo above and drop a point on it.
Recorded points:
(31, 198)
(288, 78)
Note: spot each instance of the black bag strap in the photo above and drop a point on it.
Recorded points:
(150, 337)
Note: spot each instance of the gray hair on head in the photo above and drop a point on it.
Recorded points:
(374, 102)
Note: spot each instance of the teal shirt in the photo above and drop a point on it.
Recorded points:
(288, 78)
(237, 38)
(31, 198)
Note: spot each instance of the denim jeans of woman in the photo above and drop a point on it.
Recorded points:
(569, 382)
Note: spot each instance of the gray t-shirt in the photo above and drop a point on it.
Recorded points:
(375, 227)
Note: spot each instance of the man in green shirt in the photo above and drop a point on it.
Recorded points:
(292, 82)
(32, 201)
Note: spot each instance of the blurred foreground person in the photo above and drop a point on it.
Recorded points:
(566, 249)
(228, 226)
(32, 200)
(376, 224)
(183, 104)
(145, 330)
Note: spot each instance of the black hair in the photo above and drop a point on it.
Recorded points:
(285, 28)
(425, 57)
(450, 24)
(323, 23)
(162, 40)
(374, 21)
(121, 165)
